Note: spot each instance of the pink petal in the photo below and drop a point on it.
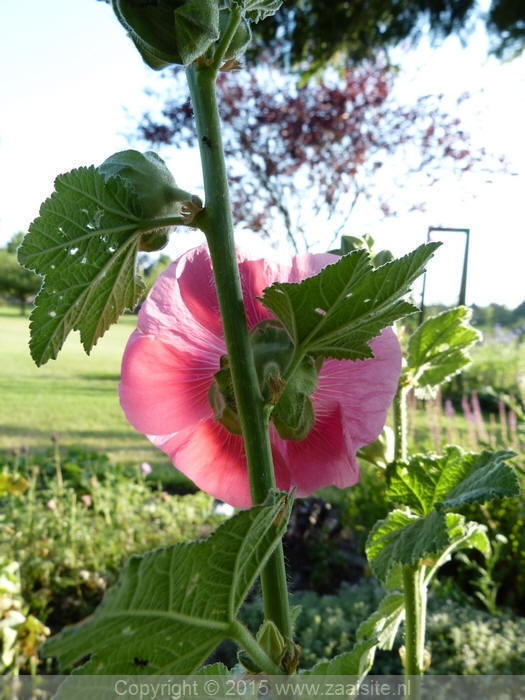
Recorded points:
(164, 389)
(309, 264)
(255, 276)
(258, 274)
(215, 461)
(197, 290)
(364, 388)
(168, 312)
(326, 456)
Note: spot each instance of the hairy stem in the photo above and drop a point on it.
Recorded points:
(216, 222)
(415, 592)
(399, 406)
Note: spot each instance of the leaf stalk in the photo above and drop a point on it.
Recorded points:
(244, 638)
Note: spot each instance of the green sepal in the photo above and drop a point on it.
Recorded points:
(271, 641)
(157, 240)
(240, 40)
(293, 416)
(293, 413)
(380, 452)
(272, 352)
(170, 32)
(222, 400)
(349, 244)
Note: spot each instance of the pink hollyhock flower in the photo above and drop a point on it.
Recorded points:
(169, 365)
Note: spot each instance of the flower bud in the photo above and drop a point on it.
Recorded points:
(155, 188)
(147, 173)
(169, 31)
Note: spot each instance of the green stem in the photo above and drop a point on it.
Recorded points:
(244, 638)
(216, 222)
(399, 406)
(227, 37)
(415, 593)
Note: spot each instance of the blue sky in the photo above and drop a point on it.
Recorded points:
(73, 87)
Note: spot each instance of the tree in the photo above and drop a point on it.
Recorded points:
(14, 242)
(299, 162)
(15, 280)
(309, 34)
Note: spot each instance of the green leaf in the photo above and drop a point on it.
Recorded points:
(216, 669)
(437, 350)
(338, 311)
(384, 622)
(487, 476)
(351, 663)
(405, 538)
(84, 244)
(462, 535)
(257, 10)
(173, 606)
(378, 631)
(429, 486)
(451, 480)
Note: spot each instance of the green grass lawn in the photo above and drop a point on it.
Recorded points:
(74, 396)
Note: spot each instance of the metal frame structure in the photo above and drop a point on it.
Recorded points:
(463, 286)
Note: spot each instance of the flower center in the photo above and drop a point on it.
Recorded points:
(289, 401)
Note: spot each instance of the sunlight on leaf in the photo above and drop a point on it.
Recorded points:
(437, 350)
(429, 486)
(338, 311)
(84, 244)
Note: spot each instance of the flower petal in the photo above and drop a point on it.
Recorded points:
(173, 311)
(326, 456)
(256, 275)
(215, 461)
(364, 388)
(164, 389)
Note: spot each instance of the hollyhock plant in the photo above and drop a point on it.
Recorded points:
(172, 359)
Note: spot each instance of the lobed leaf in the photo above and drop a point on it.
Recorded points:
(429, 486)
(173, 606)
(257, 10)
(338, 311)
(452, 479)
(437, 350)
(378, 631)
(405, 538)
(84, 243)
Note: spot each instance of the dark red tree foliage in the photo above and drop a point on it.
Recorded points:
(297, 153)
